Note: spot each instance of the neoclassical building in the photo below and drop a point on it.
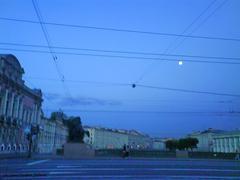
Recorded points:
(106, 138)
(227, 142)
(205, 139)
(20, 106)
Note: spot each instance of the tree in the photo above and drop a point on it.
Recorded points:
(182, 144)
(75, 129)
(171, 144)
(192, 143)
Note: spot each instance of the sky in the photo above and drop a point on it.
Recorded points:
(98, 88)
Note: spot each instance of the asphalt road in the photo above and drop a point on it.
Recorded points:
(119, 169)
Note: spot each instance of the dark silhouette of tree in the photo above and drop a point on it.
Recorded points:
(182, 144)
(76, 131)
(192, 143)
(171, 144)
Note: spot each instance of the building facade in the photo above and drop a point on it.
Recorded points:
(227, 142)
(159, 144)
(137, 140)
(53, 135)
(20, 106)
(205, 139)
(105, 138)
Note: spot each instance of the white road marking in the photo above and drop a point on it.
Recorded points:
(130, 176)
(81, 168)
(37, 162)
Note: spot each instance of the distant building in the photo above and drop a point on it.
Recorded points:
(137, 140)
(106, 138)
(53, 135)
(20, 106)
(205, 139)
(227, 142)
(159, 144)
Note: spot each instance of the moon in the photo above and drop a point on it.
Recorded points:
(180, 63)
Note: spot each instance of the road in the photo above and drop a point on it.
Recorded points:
(119, 169)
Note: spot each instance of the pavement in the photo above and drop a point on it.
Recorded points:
(119, 169)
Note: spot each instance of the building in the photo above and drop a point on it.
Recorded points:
(227, 142)
(20, 106)
(53, 135)
(159, 144)
(137, 140)
(61, 134)
(205, 139)
(106, 138)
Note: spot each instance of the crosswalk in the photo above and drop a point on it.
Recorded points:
(120, 169)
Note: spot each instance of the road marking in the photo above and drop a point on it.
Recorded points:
(130, 176)
(37, 162)
(81, 168)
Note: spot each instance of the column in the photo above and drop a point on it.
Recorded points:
(11, 105)
(230, 143)
(17, 106)
(235, 144)
(38, 115)
(216, 145)
(221, 145)
(20, 112)
(5, 102)
(34, 120)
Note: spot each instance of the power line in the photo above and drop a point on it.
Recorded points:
(188, 91)
(84, 82)
(47, 37)
(195, 29)
(121, 52)
(150, 87)
(123, 57)
(191, 24)
(122, 30)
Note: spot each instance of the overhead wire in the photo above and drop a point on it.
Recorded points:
(122, 30)
(120, 51)
(183, 33)
(152, 87)
(123, 57)
(47, 38)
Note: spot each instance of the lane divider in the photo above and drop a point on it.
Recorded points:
(37, 162)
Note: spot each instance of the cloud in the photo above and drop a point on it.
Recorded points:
(51, 96)
(79, 101)
(87, 101)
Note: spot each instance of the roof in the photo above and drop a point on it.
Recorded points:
(121, 131)
(11, 59)
(234, 132)
(209, 130)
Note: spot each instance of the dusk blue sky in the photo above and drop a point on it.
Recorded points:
(156, 112)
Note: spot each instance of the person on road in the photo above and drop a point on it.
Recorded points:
(127, 151)
(124, 151)
(237, 157)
